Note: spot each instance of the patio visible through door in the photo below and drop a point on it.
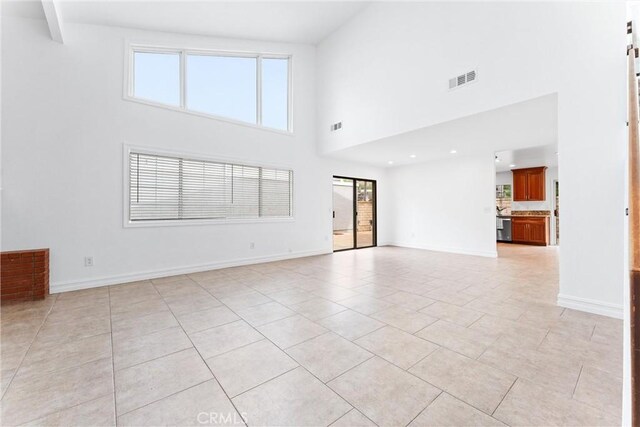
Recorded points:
(354, 213)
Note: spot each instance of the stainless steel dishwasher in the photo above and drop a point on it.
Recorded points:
(503, 228)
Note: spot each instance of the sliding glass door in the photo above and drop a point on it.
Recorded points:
(354, 213)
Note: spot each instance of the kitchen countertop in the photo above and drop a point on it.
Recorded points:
(526, 214)
(522, 216)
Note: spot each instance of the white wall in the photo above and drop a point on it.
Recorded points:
(445, 206)
(386, 72)
(62, 144)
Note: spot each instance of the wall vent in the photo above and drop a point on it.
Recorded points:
(463, 79)
(336, 126)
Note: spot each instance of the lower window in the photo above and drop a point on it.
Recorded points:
(169, 188)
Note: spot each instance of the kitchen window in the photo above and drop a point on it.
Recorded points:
(245, 88)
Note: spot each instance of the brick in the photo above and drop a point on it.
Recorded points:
(24, 275)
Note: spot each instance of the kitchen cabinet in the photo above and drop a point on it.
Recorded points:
(530, 230)
(529, 184)
(518, 231)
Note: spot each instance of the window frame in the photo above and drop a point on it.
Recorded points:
(127, 223)
(129, 78)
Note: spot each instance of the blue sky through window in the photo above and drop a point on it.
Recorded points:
(275, 85)
(157, 77)
(222, 86)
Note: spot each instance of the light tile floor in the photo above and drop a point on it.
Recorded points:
(385, 336)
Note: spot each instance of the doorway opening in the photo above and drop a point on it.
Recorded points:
(354, 213)
(527, 196)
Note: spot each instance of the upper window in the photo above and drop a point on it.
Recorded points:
(247, 88)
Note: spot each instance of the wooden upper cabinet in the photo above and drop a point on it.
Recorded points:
(529, 184)
(519, 186)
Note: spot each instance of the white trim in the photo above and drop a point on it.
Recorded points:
(259, 93)
(200, 156)
(54, 21)
(128, 89)
(126, 223)
(212, 221)
(290, 96)
(206, 116)
(183, 81)
(487, 254)
(146, 275)
(591, 306)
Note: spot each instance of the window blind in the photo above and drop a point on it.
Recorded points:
(175, 188)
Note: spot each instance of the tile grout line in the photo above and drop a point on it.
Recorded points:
(64, 409)
(505, 395)
(474, 322)
(270, 379)
(575, 387)
(593, 331)
(162, 398)
(113, 368)
(354, 409)
(426, 407)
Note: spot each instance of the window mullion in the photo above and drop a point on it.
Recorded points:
(183, 80)
(259, 90)
(289, 95)
(180, 189)
(260, 189)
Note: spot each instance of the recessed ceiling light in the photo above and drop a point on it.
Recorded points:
(390, 162)
(413, 156)
(497, 160)
(512, 165)
(453, 151)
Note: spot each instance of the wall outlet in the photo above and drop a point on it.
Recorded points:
(252, 245)
(88, 261)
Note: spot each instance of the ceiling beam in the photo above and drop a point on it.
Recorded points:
(51, 12)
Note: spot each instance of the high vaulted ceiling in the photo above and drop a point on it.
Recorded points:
(282, 21)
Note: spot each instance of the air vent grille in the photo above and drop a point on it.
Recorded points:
(463, 79)
(471, 76)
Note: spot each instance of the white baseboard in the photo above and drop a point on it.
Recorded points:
(488, 254)
(146, 275)
(591, 306)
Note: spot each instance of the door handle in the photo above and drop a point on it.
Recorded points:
(334, 214)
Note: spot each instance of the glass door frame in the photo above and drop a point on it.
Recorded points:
(374, 225)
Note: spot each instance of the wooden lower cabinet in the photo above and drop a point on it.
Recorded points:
(530, 230)
(518, 231)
